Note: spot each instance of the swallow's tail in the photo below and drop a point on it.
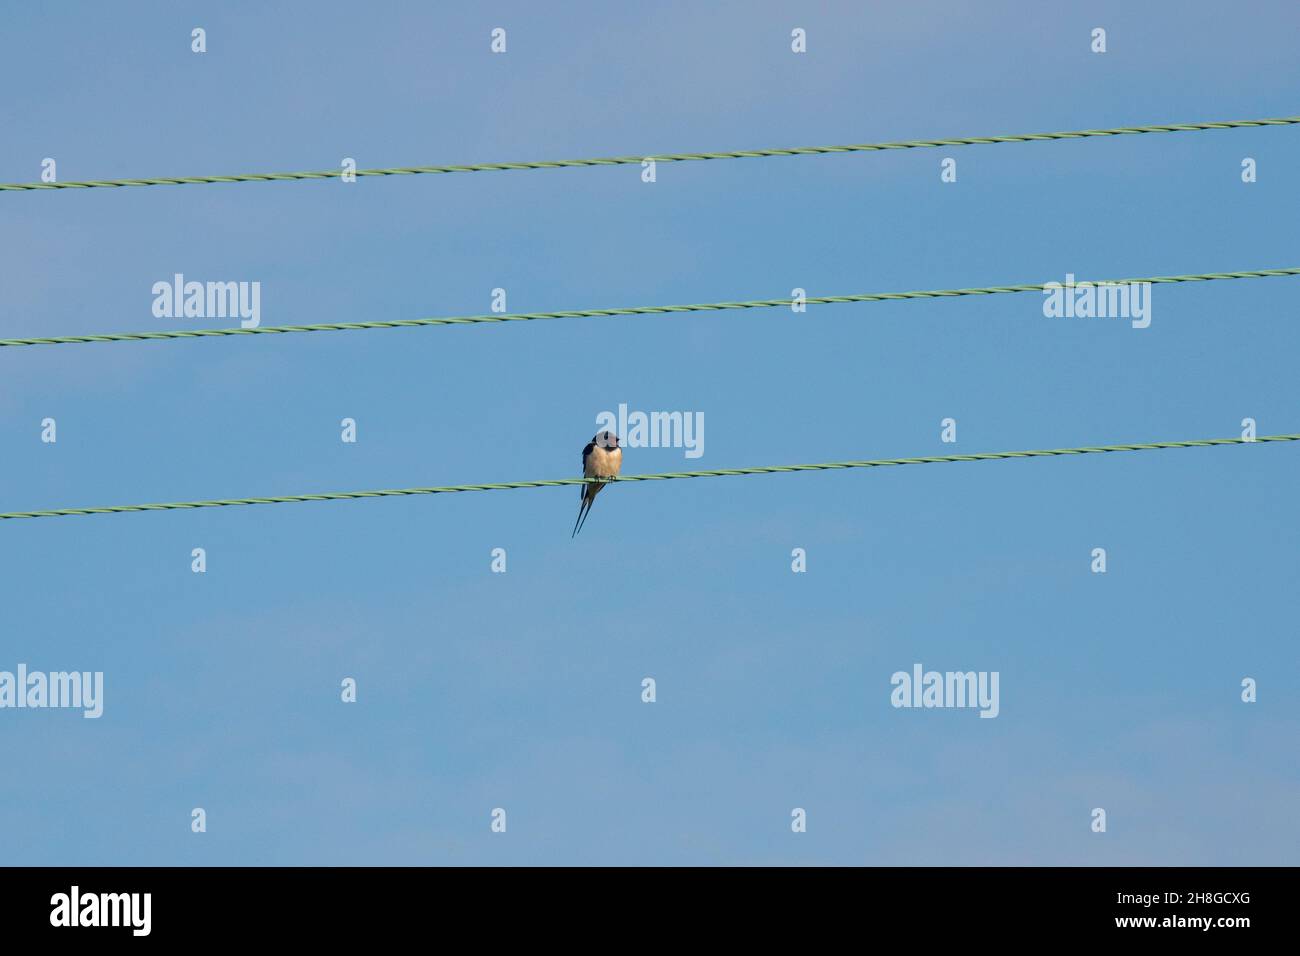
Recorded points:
(582, 515)
(588, 496)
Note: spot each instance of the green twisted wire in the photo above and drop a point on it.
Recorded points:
(663, 157)
(602, 313)
(665, 476)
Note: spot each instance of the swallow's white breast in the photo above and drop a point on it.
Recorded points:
(603, 462)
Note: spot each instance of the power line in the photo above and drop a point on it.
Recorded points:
(666, 476)
(662, 157)
(603, 313)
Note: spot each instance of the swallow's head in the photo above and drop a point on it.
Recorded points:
(605, 439)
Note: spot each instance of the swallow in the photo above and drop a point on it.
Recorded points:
(602, 458)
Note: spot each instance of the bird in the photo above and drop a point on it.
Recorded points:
(602, 458)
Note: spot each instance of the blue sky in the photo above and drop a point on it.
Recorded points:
(522, 690)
